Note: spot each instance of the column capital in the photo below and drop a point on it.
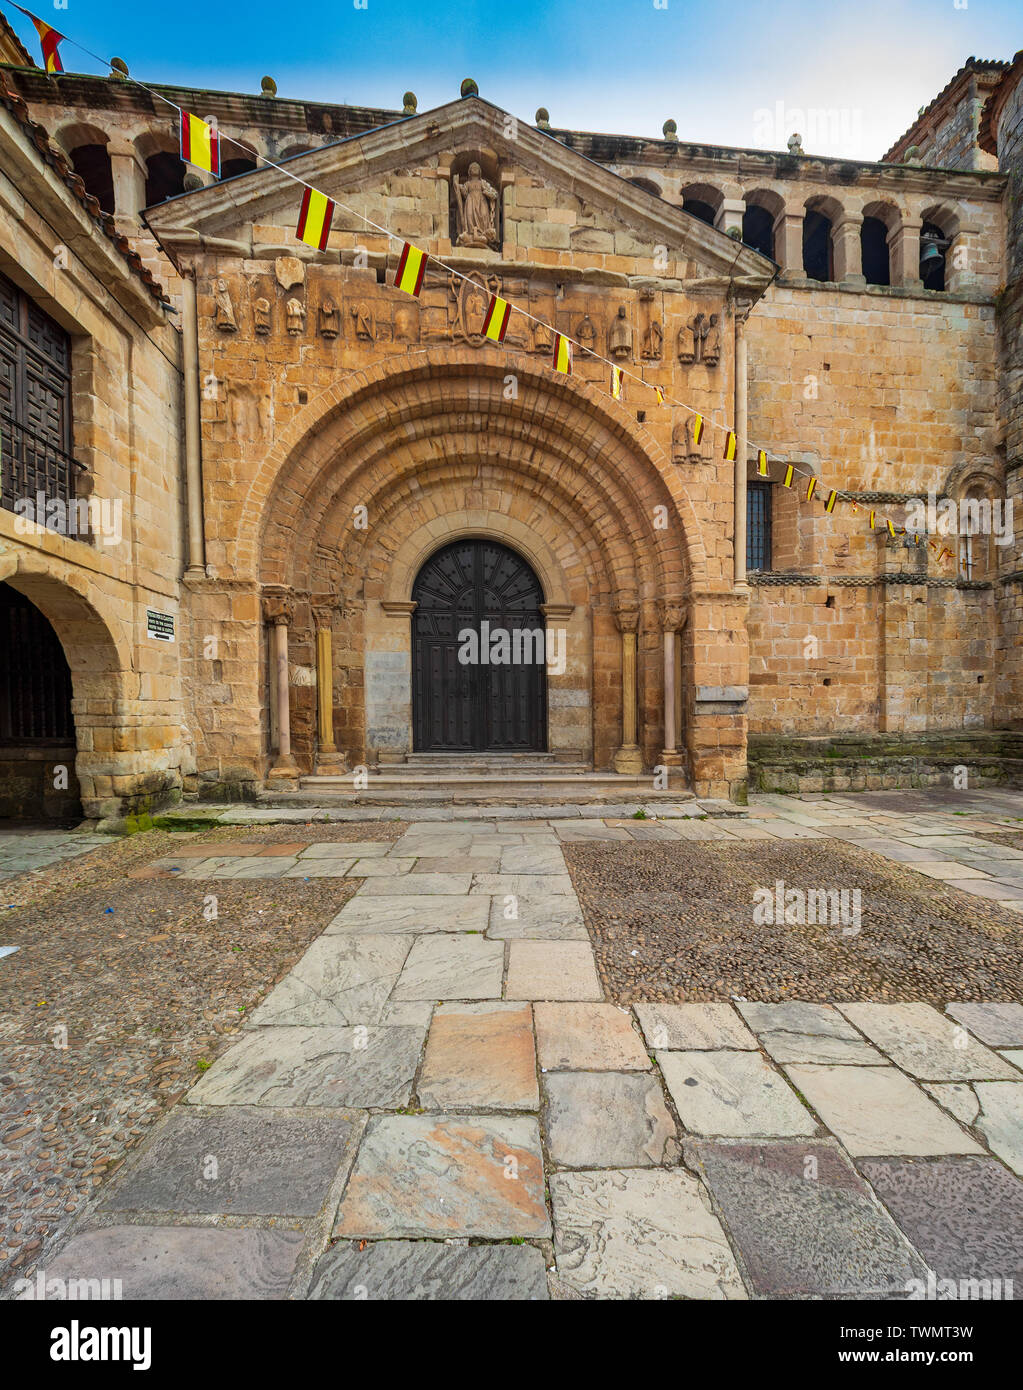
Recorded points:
(324, 609)
(626, 615)
(398, 608)
(278, 605)
(672, 614)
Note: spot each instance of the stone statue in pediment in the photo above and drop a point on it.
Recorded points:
(619, 339)
(475, 209)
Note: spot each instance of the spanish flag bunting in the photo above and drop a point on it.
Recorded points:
(561, 358)
(660, 395)
(200, 144)
(315, 218)
(811, 488)
(617, 383)
(872, 516)
(787, 480)
(762, 463)
(49, 41)
(730, 446)
(495, 325)
(411, 269)
(944, 551)
(891, 528)
(697, 429)
(829, 505)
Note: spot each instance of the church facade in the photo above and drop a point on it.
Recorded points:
(328, 484)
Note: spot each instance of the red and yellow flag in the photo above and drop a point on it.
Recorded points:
(495, 325)
(730, 446)
(411, 269)
(561, 358)
(872, 517)
(49, 41)
(617, 383)
(315, 218)
(811, 488)
(789, 472)
(891, 528)
(829, 505)
(697, 428)
(659, 394)
(200, 144)
(762, 463)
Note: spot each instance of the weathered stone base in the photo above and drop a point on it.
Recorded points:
(880, 762)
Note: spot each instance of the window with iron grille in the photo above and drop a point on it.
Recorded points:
(35, 402)
(758, 526)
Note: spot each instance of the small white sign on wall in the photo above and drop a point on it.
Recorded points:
(159, 626)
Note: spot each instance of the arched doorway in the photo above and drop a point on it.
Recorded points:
(479, 678)
(37, 732)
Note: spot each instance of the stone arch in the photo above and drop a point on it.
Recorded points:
(102, 679)
(702, 200)
(765, 208)
(882, 221)
(821, 215)
(87, 147)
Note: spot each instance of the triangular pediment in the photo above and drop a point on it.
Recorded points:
(395, 173)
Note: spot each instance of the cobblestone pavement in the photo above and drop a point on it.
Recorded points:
(438, 1100)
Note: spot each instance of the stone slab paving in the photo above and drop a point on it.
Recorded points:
(440, 1068)
(964, 1216)
(804, 1222)
(447, 1175)
(423, 1271)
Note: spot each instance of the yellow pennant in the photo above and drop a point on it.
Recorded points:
(891, 528)
(762, 463)
(660, 395)
(829, 505)
(697, 428)
(872, 516)
(561, 358)
(617, 383)
(811, 488)
(730, 446)
(787, 480)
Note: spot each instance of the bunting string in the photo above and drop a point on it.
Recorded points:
(200, 144)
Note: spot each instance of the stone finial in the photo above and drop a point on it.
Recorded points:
(267, 87)
(670, 130)
(912, 155)
(795, 143)
(543, 118)
(118, 69)
(411, 104)
(469, 88)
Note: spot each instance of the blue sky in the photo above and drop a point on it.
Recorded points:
(849, 76)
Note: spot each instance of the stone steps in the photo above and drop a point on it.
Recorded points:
(466, 789)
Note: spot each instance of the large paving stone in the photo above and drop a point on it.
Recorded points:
(237, 1162)
(799, 1032)
(735, 1094)
(351, 849)
(452, 967)
(803, 1220)
(439, 885)
(588, 1037)
(409, 913)
(640, 1233)
(358, 1067)
(447, 1175)
(965, 1216)
(552, 970)
(607, 1119)
(183, 1262)
(532, 859)
(694, 1026)
(1001, 1119)
(339, 980)
(383, 867)
(480, 1056)
(424, 1271)
(878, 1110)
(998, 1025)
(523, 885)
(926, 1044)
(537, 919)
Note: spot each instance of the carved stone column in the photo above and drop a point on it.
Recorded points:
(846, 236)
(278, 612)
(628, 760)
(673, 618)
(904, 255)
(329, 761)
(788, 243)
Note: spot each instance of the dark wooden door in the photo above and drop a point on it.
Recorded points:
(485, 704)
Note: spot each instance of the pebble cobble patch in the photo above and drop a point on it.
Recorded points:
(122, 990)
(675, 921)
